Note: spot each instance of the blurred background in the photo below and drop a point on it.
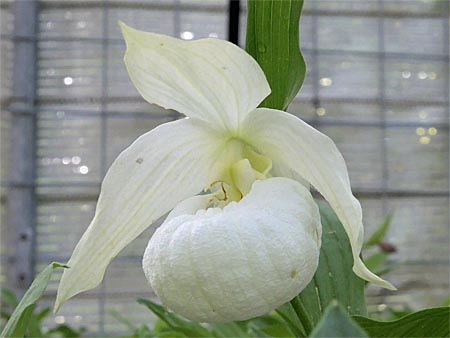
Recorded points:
(377, 83)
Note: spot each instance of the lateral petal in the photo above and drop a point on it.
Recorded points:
(161, 168)
(295, 145)
(208, 79)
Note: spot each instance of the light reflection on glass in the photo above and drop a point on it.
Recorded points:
(382, 307)
(321, 111)
(76, 160)
(186, 35)
(424, 140)
(406, 74)
(83, 169)
(60, 319)
(423, 115)
(81, 24)
(420, 131)
(68, 80)
(326, 81)
(422, 75)
(213, 35)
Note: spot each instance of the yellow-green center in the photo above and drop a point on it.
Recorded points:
(240, 166)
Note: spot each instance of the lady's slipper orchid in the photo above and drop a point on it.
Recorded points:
(252, 241)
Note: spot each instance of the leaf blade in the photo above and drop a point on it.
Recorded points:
(17, 324)
(176, 323)
(337, 323)
(273, 40)
(335, 270)
(433, 322)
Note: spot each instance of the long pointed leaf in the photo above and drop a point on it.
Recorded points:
(426, 323)
(334, 278)
(337, 323)
(18, 323)
(273, 40)
(189, 328)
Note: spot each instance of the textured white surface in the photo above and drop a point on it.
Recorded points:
(238, 262)
(297, 146)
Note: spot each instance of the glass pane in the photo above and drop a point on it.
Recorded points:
(348, 33)
(348, 76)
(418, 158)
(68, 147)
(415, 35)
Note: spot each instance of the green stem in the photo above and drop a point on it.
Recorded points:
(302, 315)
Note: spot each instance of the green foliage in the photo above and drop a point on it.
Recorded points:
(26, 320)
(170, 324)
(378, 261)
(426, 323)
(273, 40)
(337, 323)
(175, 322)
(334, 278)
(377, 237)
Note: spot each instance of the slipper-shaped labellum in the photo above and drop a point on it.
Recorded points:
(243, 236)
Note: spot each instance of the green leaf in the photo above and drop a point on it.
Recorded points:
(175, 322)
(233, 329)
(9, 297)
(379, 234)
(334, 278)
(273, 40)
(269, 325)
(64, 330)
(170, 334)
(337, 323)
(42, 314)
(376, 261)
(122, 319)
(424, 324)
(291, 319)
(18, 323)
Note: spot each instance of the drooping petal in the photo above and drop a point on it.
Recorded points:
(209, 79)
(295, 145)
(239, 262)
(161, 168)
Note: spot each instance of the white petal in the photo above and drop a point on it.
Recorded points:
(292, 143)
(160, 169)
(239, 262)
(209, 79)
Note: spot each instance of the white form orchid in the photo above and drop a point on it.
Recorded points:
(251, 241)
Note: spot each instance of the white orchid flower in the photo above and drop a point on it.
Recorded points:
(251, 242)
